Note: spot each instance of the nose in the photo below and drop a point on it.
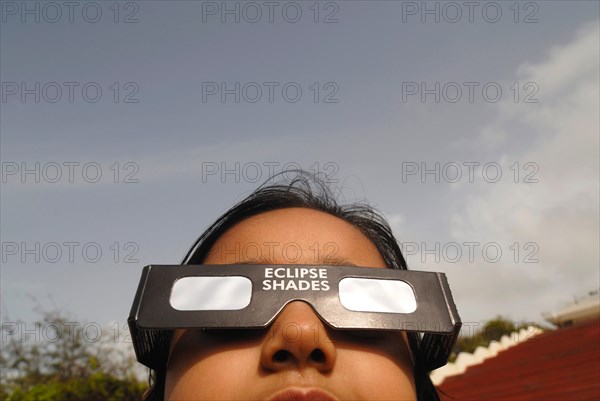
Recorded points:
(297, 340)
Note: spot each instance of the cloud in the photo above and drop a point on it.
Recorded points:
(559, 213)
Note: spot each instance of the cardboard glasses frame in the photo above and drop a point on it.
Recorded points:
(173, 297)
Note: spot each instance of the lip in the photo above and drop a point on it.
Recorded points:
(303, 394)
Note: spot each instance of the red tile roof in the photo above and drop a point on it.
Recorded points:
(560, 365)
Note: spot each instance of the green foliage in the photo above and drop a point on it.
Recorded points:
(59, 363)
(99, 386)
(493, 330)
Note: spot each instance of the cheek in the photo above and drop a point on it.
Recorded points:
(381, 377)
(215, 376)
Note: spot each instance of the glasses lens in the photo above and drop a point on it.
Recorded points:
(211, 293)
(376, 295)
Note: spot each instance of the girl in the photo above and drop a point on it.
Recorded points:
(299, 357)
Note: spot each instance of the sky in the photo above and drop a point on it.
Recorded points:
(127, 127)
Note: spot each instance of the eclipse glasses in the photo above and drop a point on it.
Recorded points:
(251, 296)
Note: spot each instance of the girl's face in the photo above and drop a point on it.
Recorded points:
(297, 358)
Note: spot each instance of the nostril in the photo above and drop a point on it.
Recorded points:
(317, 355)
(281, 356)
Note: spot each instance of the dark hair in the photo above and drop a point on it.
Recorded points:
(307, 191)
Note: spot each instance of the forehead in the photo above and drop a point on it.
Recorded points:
(295, 236)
